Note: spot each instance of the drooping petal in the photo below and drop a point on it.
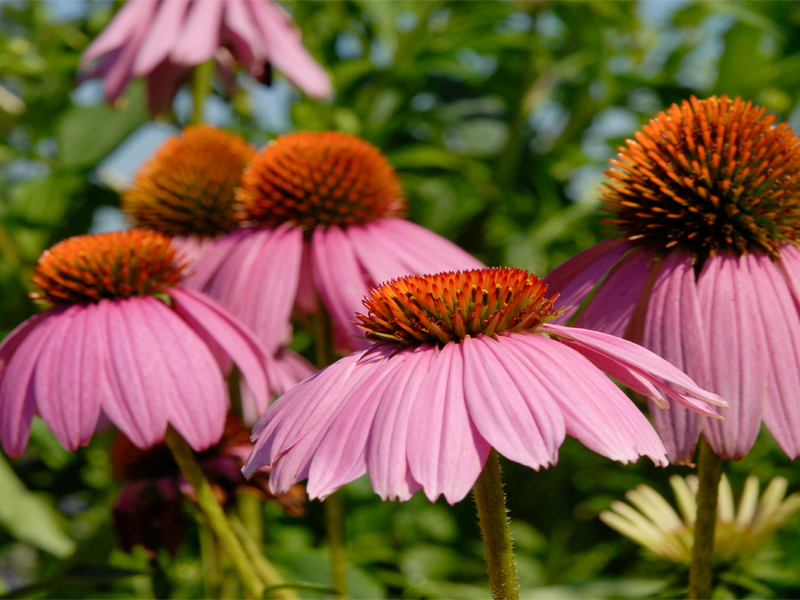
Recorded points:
(446, 453)
(141, 387)
(778, 311)
(161, 36)
(200, 403)
(340, 283)
(739, 360)
(162, 85)
(286, 371)
(594, 409)
(286, 51)
(576, 277)
(306, 299)
(200, 273)
(612, 307)
(120, 29)
(638, 362)
(200, 36)
(241, 30)
(217, 327)
(675, 331)
(19, 353)
(120, 71)
(510, 407)
(416, 250)
(70, 378)
(387, 450)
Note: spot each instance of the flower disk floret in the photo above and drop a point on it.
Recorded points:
(425, 416)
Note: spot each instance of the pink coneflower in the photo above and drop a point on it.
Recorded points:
(148, 509)
(323, 211)
(706, 269)
(125, 338)
(162, 39)
(463, 363)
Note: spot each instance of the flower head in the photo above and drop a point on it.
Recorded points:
(468, 363)
(187, 187)
(162, 39)
(705, 270)
(654, 524)
(322, 214)
(123, 337)
(148, 509)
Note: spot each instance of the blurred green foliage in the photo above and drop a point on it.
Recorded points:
(499, 117)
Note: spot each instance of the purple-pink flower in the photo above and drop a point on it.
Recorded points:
(163, 39)
(706, 269)
(123, 338)
(464, 362)
(323, 221)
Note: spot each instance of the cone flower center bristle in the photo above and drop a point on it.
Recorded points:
(188, 186)
(447, 307)
(319, 179)
(90, 268)
(708, 175)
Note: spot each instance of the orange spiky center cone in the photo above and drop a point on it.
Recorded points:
(708, 175)
(319, 179)
(447, 307)
(188, 186)
(90, 268)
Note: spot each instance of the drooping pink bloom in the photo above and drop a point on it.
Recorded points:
(125, 338)
(163, 39)
(323, 211)
(706, 269)
(463, 362)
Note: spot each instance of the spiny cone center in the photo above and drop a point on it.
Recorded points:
(436, 309)
(91, 268)
(708, 175)
(188, 187)
(319, 179)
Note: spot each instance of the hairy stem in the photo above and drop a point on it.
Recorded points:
(491, 503)
(709, 471)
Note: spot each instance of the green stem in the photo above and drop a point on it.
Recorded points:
(213, 511)
(208, 556)
(251, 513)
(201, 87)
(334, 507)
(266, 570)
(709, 471)
(491, 503)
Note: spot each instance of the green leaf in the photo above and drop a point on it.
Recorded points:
(29, 518)
(88, 134)
(75, 574)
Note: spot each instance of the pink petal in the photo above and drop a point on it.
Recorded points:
(340, 283)
(244, 36)
(121, 28)
(142, 389)
(306, 300)
(200, 273)
(611, 308)
(161, 36)
(218, 328)
(576, 277)
(739, 358)
(418, 250)
(200, 36)
(595, 411)
(629, 363)
(200, 403)
(509, 405)
(387, 449)
(445, 451)
(285, 50)
(70, 381)
(674, 330)
(162, 85)
(286, 371)
(121, 71)
(19, 353)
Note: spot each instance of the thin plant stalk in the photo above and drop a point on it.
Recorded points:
(491, 504)
(701, 571)
(266, 570)
(208, 555)
(213, 512)
(201, 87)
(333, 505)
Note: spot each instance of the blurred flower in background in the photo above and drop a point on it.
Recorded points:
(148, 509)
(705, 269)
(162, 39)
(656, 526)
